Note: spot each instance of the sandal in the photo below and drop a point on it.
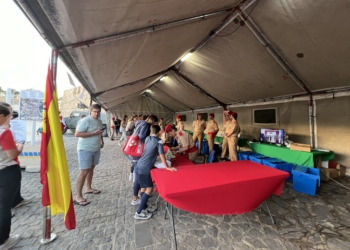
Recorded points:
(81, 203)
(94, 191)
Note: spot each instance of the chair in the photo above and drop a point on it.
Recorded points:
(211, 157)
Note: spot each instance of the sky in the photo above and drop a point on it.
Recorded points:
(25, 54)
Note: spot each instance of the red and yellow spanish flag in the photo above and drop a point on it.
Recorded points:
(54, 175)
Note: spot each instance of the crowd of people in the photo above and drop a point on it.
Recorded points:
(153, 132)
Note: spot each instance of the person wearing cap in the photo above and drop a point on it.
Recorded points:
(231, 132)
(188, 147)
(179, 124)
(212, 130)
(199, 126)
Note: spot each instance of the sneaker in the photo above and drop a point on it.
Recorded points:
(119, 144)
(151, 209)
(23, 202)
(137, 202)
(130, 177)
(12, 240)
(142, 215)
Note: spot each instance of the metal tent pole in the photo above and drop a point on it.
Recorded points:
(268, 209)
(47, 235)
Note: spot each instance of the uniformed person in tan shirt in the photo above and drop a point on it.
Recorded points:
(199, 126)
(231, 133)
(179, 124)
(224, 143)
(185, 141)
(212, 130)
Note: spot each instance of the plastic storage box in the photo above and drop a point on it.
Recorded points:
(244, 155)
(305, 179)
(279, 164)
(205, 147)
(257, 158)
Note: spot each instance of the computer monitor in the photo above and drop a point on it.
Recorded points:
(275, 136)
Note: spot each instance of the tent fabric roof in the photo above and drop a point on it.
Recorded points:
(142, 41)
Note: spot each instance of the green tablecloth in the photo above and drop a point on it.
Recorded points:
(292, 156)
(219, 139)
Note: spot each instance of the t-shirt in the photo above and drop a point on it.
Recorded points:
(89, 124)
(6, 143)
(117, 123)
(153, 148)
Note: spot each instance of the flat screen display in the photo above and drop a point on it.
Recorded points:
(275, 136)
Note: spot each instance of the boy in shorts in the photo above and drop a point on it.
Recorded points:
(153, 148)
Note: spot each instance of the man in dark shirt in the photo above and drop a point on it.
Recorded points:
(117, 126)
(153, 148)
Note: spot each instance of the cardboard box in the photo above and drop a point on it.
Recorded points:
(300, 147)
(341, 169)
(327, 173)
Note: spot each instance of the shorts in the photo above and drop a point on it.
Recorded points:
(117, 130)
(145, 181)
(88, 158)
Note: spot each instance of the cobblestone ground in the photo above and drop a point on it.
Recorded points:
(302, 221)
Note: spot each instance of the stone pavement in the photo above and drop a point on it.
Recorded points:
(302, 221)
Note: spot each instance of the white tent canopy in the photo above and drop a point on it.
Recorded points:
(119, 49)
(127, 54)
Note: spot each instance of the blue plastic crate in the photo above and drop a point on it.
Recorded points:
(305, 180)
(205, 147)
(257, 158)
(279, 164)
(270, 162)
(244, 155)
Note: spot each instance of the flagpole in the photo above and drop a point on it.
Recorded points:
(47, 235)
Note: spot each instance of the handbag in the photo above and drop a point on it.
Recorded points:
(133, 146)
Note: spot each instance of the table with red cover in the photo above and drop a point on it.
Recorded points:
(218, 188)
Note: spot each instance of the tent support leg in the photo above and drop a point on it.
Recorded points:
(268, 209)
(173, 224)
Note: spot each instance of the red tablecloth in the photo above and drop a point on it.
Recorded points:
(219, 188)
(180, 161)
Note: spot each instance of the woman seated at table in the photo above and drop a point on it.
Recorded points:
(188, 148)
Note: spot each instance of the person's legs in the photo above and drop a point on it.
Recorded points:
(136, 187)
(85, 163)
(144, 199)
(230, 142)
(123, 137)
(112, 133)
(131, 172)
(18, 198)
(224, 148)
(90, 175)
(80, 184)
(192, 156)
(88, 179)
(195, 137)
(200, 139)
(210, 143)
(234, 153)
(146, 184)
(10, 178)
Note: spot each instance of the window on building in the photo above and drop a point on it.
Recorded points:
(265, 116)
(204, 116)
